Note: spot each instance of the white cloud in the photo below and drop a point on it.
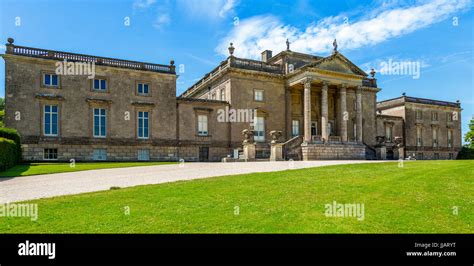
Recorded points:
(161, 21)
(228, 7)
(143, 4)
(255, 34)
(209, 9)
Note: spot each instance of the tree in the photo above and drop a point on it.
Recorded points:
(2, 111)
(469, 137)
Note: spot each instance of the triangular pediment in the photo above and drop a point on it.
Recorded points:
(339, 63)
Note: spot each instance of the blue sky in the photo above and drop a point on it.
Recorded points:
(438, 35)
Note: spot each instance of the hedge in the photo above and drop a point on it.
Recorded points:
(8, 153)
(466, 153)
(12, 134)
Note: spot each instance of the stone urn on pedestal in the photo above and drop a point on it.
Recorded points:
(249, 144)
(276, 148)
(380, 148)
(400, 148)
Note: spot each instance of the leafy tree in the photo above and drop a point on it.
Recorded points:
(2, 115)
(2, 111)
(469, 137)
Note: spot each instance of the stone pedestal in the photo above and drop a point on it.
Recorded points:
(249, 151)
(401, 153)
(276, 152)
(381, 152)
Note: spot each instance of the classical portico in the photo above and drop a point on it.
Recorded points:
(332, 108)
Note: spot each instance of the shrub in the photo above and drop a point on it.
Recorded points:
(466, 153)
(8, 153)
(12, 134)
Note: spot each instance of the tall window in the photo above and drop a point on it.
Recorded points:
(202, 125)
(50, 121)
(222, 95)
(450, 138)
(354, 129)
(330, 128)
(100, 84)
(449, 116)
(258, 95)
(259, 129)
(295, 127)
(435, 137)
(100, 122)
(314, 128)
(388, 132)
(418, 136)
(419, 115)
(50, 80)
(143, 88)
(434, 116)
(142, 125)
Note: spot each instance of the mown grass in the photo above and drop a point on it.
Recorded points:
(51, 168)
(417, 198)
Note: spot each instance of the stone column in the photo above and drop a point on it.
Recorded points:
(324, 112)
(288, 113)
(307, 110)
(359, 114)
(344, 116)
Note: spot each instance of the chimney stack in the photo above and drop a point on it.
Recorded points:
(266, 55)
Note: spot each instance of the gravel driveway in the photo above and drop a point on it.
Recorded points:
(44, 186)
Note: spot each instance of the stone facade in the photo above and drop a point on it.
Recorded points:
(328, 101)
(430, 129)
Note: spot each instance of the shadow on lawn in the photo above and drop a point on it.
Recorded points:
(19, 169)
(16, 170)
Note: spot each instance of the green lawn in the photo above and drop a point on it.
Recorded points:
(51, 168)
(417, 198)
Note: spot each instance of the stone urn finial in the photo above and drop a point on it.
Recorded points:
(172, 66)
(231, 49)
(275, 135)
(10, 41)
(372, 73)
(248, 136)
(380, 140)
(399, 141)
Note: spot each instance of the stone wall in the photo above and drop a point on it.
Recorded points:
(34, 152)
(333, 151)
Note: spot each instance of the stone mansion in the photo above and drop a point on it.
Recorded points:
(313, 107)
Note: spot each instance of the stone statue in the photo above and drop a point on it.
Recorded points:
(399, 142)
(372, 73)
(276, 135)
(287, 45)
(334, 44)
(248, 136)
(380, 140)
